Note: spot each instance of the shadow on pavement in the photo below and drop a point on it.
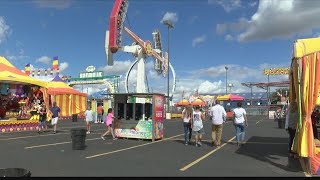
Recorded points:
(272, 150)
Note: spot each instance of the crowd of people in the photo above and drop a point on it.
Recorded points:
(193, 123)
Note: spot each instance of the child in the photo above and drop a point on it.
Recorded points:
(43, 118)
(197, 125)
(88, 118)
(108, 122)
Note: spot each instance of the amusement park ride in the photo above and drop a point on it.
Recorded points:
(140, 49)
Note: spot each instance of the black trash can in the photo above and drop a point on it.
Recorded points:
(281, 123)
(14, 172)
(74, 117)
(78, 137)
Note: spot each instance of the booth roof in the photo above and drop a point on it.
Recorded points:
(11, 74)
(57, 86)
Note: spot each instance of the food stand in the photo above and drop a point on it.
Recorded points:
(138, 115)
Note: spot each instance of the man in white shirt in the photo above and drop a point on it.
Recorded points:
(218, 116)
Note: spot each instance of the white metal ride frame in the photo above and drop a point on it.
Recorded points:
(141, 49)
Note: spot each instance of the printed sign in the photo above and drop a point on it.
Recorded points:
(159, 116)
(143, 130)
(276, 71)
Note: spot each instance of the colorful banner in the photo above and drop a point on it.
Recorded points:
(27, 69)
(55, 63)
(158, 116)
(143, 130)
(94, 110)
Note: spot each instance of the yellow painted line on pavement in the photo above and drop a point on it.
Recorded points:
(41, 135)
(54, 144)
(120, 150)
(205, 156)
(259, 121)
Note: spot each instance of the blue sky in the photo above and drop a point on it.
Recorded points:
(247, 36)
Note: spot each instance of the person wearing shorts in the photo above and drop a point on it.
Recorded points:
(55, 116)
(88, 118)
(197, 125)
(43, 118)
(108, 122)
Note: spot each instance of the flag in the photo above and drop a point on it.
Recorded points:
(57, 70)
(45, 72)
(32, 72)
(27, 69)
(51, 72)
(55, 63)
(39, 72)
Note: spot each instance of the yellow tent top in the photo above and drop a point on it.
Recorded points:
(305, 46)
(11, 74)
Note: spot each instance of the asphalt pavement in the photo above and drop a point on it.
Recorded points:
(50, 155)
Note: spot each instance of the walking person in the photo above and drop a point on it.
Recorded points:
(240, 122)
(218, 116)
(109, 120)
(55, 116)
(88, 118)
(292, 119)
(187, 118)
(197, 125)
(43, 118)
(99, 111)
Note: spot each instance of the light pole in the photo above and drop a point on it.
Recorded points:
(169, 25)
(226, 79)
(230, 85)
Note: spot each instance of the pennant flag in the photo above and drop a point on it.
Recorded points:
(57, 71)
(39, 72)
(55, 63)
(33, 73)
(45, 72)
(27, 69)
(51, 72)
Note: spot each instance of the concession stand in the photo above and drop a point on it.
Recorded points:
(20, 96)
(138, 115)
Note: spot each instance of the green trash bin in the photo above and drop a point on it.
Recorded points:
(78, 136)
(14, 172)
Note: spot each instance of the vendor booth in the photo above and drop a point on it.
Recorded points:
(229, 102)
(68, 99)
(304, 89)
(139, 115)
(20, 96)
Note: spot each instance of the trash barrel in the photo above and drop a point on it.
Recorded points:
(78, 137)
(14, 172)
(74, 117)
(281, 123)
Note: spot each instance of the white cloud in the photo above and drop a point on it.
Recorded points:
(172, 17)
(63, 66)
(198, 40)
(44, 60)
(4, 30)
(252, 4)
(228, 37)
(57, 4)
(278, 19)
(228, 5)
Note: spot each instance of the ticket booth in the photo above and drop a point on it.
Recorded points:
(138, 115)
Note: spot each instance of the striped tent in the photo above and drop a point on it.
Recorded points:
(11, 74)
(68, 99)
(304, 89)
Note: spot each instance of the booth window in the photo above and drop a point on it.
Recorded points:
(139, 111)
(129, 111)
